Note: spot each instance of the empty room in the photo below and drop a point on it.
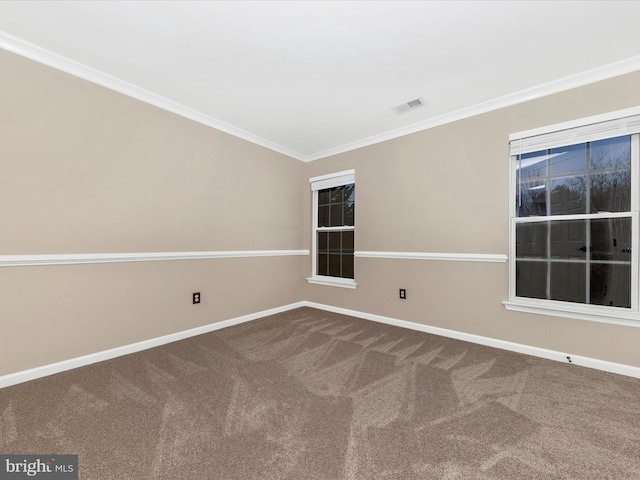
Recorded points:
(325, 240)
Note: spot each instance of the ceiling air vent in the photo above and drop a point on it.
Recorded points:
(408, 106)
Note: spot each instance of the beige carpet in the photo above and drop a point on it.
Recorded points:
(314, 395)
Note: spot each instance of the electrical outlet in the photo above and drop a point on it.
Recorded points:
(196, 297)
(403, 294)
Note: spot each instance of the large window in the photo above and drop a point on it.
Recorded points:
(574, 220)
(333, 229)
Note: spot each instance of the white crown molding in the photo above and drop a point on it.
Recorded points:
(63, 366)
(604, 72)
(455, 257)
(564, 357)
(46, 57)
(67, 65)
(82, 258)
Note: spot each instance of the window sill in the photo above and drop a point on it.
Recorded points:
(594, 313)
(333, 281)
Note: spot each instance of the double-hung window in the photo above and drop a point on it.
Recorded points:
(574, 219)
(333, 229)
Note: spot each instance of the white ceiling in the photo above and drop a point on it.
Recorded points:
(314, 78)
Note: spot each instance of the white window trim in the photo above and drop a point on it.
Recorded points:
(322, 182)
(332, 180)
(594, 313)
(593, 128)
(332, 281)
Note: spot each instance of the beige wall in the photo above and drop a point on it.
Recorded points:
(445, 190)
(88, 170)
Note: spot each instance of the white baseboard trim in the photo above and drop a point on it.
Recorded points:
(619, 368)
(38, 372)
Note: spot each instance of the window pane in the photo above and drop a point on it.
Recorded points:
(567, 160)
(323, 264)
(335, 242)
(611, 285)
(531, 166)
(350, 193)
(568, 195)
(533, 197)
(336, 253)
(531, 179)
(323, 216)
(531, 279)
(568, 282)
(347, 266)
(349, 214)
(323, 242)
(337, 195)
(334, 264)
(336, 215)
(611, 154)
(611, 192)
(531, 240)
(611, 239)
(324, 196)
(349, 204)
(347, 242)
(569, 239)
(336, 206)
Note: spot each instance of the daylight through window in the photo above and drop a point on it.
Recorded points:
(334, 228)
(574, 223)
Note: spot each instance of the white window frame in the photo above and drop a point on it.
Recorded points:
(599, 127)
(322, 182)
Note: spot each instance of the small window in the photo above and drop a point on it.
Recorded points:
(333, 229)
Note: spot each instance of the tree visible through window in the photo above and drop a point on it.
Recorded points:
(333, 229)
(574, 223)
